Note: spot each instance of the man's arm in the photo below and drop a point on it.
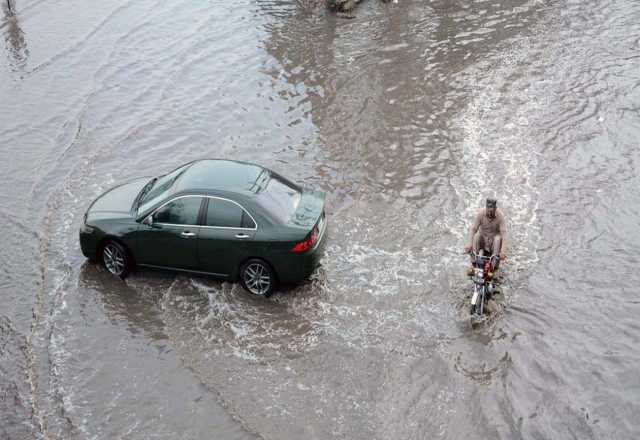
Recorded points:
(473, 230)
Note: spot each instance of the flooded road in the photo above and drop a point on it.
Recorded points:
(407, 116)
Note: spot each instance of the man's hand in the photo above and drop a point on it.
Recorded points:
(467, 249)
(503, 257)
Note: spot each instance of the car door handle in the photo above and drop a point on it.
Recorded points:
(242, 236)
(187, 234)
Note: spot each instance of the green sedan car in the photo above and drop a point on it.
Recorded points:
(225, 218)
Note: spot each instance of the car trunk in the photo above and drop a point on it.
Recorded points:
(309, 209)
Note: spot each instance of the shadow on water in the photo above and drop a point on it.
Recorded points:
(14, 37)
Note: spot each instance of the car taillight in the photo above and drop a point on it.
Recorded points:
(307, 243)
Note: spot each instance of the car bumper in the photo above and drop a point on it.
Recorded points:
(300, 266)
(89, 243)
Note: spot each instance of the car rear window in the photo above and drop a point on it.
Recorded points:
(280, 198)
(227, 214)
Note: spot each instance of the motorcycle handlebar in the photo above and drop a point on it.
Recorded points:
(482, 257)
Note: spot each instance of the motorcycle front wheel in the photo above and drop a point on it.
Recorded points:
(478, 307)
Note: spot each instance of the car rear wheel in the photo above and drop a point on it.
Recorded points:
(257, 277)
(116, 259)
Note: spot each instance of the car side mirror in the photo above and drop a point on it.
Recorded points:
(148, 220)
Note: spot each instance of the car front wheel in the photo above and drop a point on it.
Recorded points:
(116, 259)
(257, 277)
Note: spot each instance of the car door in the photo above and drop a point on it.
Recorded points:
(226, 237)
(171, 238)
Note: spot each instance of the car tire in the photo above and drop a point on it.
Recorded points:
(116, 259)
(257, 277)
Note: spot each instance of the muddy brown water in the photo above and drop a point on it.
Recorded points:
(407, 116)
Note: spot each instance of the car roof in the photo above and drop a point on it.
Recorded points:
(239, 181)
(214, 175)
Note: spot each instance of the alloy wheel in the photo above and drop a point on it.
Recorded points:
(114, 259)
(257, 279)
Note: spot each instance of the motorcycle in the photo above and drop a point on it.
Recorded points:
(484, 282)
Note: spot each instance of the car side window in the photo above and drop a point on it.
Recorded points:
(247, 221)
(226, 214)
(182, 211)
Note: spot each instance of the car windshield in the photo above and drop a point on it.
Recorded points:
(159, 189)
(280, 198)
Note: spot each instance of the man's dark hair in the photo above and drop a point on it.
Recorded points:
(492, 203)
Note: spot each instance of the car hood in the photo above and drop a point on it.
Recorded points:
(118, 200)
(309, 209)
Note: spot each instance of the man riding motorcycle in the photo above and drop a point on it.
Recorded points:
(488, 234)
